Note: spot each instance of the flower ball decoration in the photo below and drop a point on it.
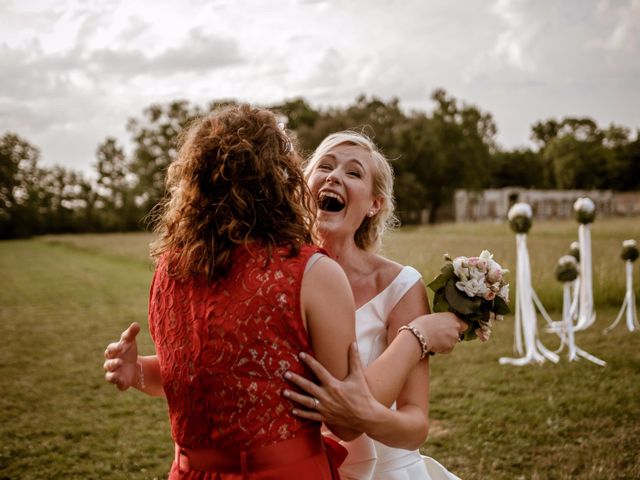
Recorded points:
(574, 250)
(585, 210)
(629, 250)
(520, 217)
(567, 269)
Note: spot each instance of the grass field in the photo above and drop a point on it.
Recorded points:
(63, 298)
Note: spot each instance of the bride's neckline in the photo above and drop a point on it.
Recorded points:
(381, 292)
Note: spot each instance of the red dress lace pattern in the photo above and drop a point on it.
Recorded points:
(223, 348)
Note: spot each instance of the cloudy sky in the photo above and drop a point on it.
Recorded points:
(72, 71)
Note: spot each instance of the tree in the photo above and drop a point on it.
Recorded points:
(298, 112)
(19, 215)
(115, 192)
(516, 168)
(451, 149)
(60, 200)
(373, 117)
(155, 138)
(578, 163)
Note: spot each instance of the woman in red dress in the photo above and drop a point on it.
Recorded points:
(237, 294)
(231, 306)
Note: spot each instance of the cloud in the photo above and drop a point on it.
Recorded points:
(545, 42)
(625, 34)
(28, 72)
(199, 53)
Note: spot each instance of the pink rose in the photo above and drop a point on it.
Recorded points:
(489, 295)
(483, 333)
(494, 275)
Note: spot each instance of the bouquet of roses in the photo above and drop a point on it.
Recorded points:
(473, 288)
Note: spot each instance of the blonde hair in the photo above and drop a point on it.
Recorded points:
(370, 232)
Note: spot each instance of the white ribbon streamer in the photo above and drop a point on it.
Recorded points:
(586, 311)
(575, 296)
(566, 329)
(628, 305)
(526, 333)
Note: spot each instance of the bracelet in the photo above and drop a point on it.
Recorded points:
(140, 383)
(420, 337)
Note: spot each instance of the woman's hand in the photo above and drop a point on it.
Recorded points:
(347, 403)
(121, 359)
(442, 330)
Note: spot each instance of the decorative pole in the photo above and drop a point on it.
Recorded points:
(567, 272)
(629, 255)
(585, 211)
(574, 251)
(526, 332)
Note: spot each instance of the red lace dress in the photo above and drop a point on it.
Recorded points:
(223, 348)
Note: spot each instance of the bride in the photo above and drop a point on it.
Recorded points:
(352, 183)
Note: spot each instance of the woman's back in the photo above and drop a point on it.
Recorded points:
(224, 347)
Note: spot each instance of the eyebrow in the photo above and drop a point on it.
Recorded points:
(351, 160)
(355, 160)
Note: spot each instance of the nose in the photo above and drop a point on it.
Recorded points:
(332, 178)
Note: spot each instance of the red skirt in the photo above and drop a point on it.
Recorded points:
(310, 456)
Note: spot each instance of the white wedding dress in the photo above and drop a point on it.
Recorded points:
(369, 459)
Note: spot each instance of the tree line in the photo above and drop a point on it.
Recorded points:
(433, 153)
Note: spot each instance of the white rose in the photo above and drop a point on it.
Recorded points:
(567, 259)
(520, 209)
(460, 268)
(494, 275)
(584, 204)
(504, 292)
(472, 287)
(483, 333)
(476, 274)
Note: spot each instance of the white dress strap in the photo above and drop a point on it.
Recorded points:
(386, 300)
(312, 260)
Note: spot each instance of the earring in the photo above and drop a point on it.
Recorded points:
(370, 214)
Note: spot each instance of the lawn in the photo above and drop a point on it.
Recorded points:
(63, 298)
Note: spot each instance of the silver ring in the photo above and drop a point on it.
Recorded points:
(316, 403)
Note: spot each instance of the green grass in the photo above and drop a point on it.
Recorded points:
(63, 298)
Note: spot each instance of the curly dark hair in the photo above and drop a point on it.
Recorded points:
(237, 179)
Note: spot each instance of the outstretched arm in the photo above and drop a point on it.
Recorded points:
(125, 369)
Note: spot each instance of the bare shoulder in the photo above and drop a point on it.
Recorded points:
(413, 304)
(324, 267)
(324, 276)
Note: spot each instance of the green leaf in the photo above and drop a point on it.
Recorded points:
(438, 282)
(439, 302)
(500, 307)
(447, 270)
(460, 301)
(470, 334)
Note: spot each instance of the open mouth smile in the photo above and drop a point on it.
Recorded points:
(330, 202)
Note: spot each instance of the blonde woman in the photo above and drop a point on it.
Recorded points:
(352, 183)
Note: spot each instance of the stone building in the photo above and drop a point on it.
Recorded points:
(493, 204)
